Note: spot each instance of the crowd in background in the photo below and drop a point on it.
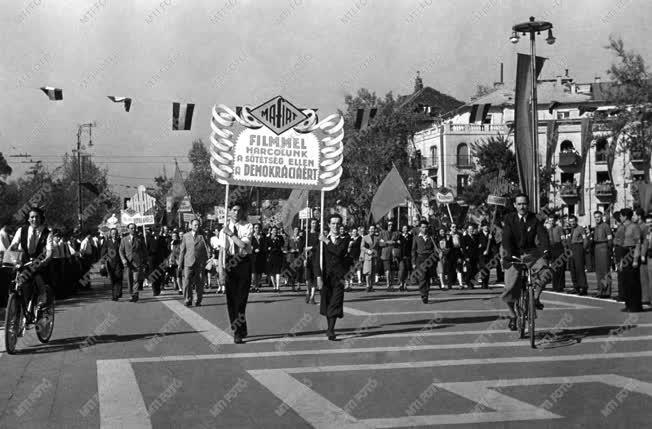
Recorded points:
(382, 255)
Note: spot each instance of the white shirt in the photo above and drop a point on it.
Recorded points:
(5, 241)
(15, 243)
(244, 233)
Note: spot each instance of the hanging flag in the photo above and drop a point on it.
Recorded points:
(125, 100)
(479, 113)
(182, 116)
(645, 196)
(364, 117)
(583, 109)
(552, 106)
(297, 200)
(586, 130)
(178, 189)
(391, 193)
(552, 135)
(523, 122)
(54, 94)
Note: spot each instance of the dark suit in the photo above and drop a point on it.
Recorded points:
(469, 251)
(133, 253)
(334, 271)
(110, 255)
(192, 262)
(526, 240)
(485, 241)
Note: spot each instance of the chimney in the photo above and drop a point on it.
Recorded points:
(501, 83)
(566, 72)
(597, 79)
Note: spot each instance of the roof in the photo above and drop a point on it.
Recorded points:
(441, 103)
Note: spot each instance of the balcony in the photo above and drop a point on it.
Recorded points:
(570, 162)
(569, 192)
(639, 159)
(430, 166)
(604, 191)
(475, 128)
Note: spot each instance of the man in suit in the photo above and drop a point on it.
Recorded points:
(424, 259)
(369, 247)
(335, 250)
(133, 253)
(387, 241)
(192, 262)
(524, 237)
(469, 245)
(111, 257)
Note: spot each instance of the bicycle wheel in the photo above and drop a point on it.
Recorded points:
(13, 317)
(45, 323)
(531, 315)
(521, 309)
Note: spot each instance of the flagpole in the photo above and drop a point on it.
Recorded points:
(226, 215)
(321, 224)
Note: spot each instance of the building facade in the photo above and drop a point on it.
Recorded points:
(447, 159)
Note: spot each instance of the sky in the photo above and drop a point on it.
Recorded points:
(239, 52)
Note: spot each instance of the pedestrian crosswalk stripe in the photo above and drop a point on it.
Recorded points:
(121, 402)
(211, 332)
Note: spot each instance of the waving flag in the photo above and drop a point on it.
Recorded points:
(390, 194)
(298, 200)
(54, 94)
(178, 191)
(125, 100)
(364, 117)
(479, 113)
(182, 116)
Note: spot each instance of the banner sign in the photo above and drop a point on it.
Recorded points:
(445, 196)
(187, 217)
(305, 213)
(276, 145)
(184, 206)
(142, 202)
(126, 218)
(497, 201)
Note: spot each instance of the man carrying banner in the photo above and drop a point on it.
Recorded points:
(236, 240)
(332, 293)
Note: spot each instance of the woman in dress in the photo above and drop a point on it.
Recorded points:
(275, 258)
(443, 255)
(173, 261)
(258, 257)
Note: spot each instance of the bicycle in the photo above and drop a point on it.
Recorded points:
(526, 311)
(20, 314)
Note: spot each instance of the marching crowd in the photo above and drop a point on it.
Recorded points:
(380, 254)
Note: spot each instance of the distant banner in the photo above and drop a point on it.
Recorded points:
(276, 145)
(140, 220)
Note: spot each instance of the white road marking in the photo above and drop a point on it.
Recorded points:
(387, 349)
(211, 332)
(120, 398)
(311, 406)
(369, 334)
(566, 307)
(2, 341)
(608, 301)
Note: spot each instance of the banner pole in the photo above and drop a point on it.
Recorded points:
(321, 224)
(307, 228)
(226, 216)
(450, 215)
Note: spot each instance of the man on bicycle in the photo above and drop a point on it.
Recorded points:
(35, 241)
(524, 237)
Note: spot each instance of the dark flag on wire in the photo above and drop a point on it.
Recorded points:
(391, 193)
(364, 116)
(91, 187)
(552, 136)
(182, 116)
(523, 122)
(479, 113)
(125, 100)
(297, 200)
(54, 94)
(178, 189)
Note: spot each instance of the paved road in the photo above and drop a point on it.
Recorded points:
(398, 363)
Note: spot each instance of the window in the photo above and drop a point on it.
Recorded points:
(567, 178)
(432, 162)
(463, 156)
(462, 182)
(601, 151)
(563, 115)
(601, 177)
(571, 209)
(487, 119)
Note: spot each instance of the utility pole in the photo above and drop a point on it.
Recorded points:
(79, 167)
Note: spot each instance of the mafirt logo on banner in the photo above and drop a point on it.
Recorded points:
(276, 145)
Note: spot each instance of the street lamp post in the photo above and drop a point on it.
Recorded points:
(533, 27)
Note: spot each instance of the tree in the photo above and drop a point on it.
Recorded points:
(5, 169)
(496, 162)
(369, 154)
(205, 191)
(630, 123)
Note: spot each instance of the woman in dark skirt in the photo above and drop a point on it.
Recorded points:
(258, 257)
(275, 246)
(630, 263)
(353, 256)
(292, 253)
